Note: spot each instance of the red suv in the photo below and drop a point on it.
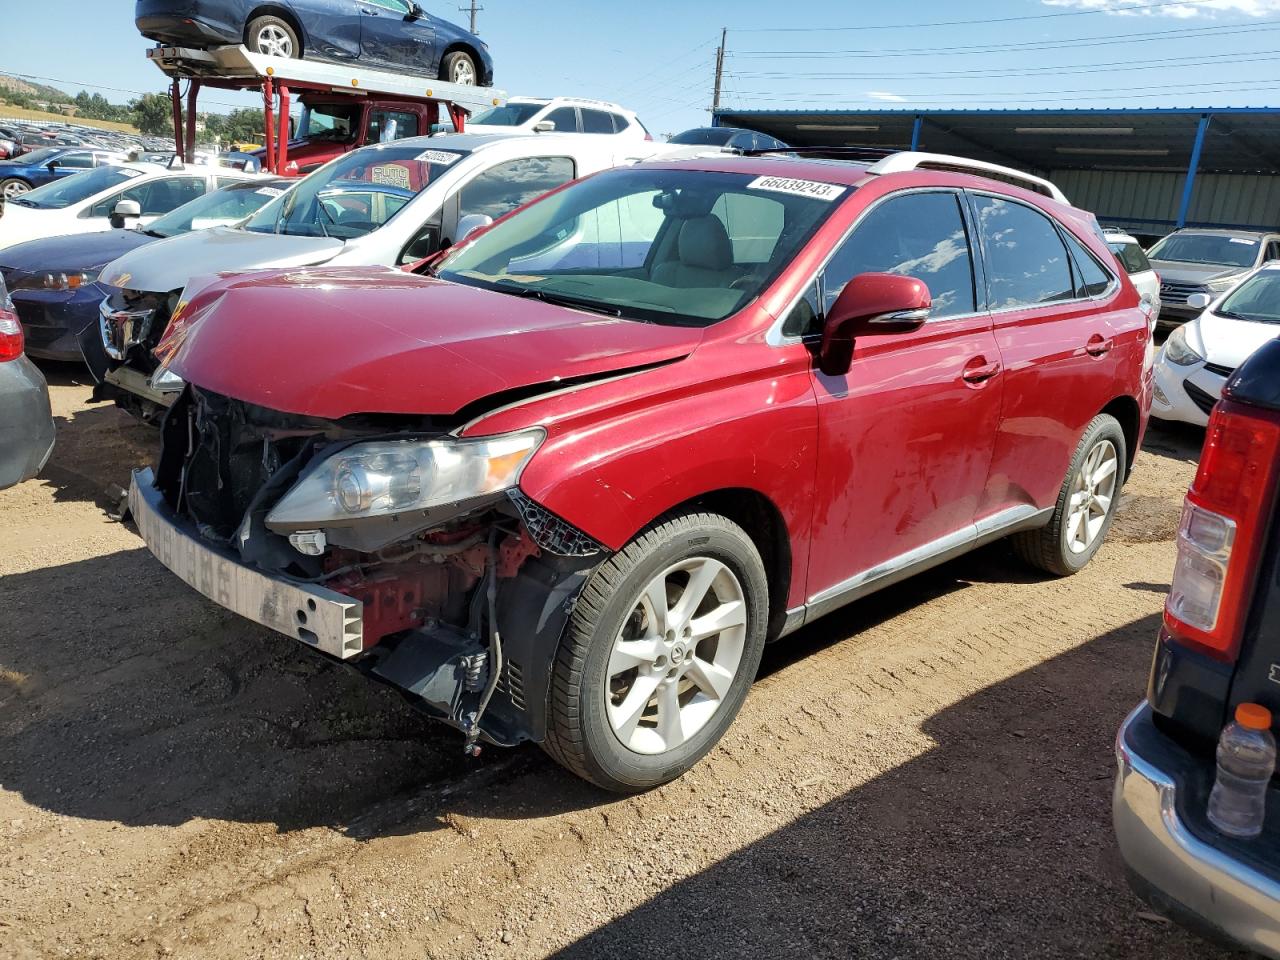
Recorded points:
(567, 484)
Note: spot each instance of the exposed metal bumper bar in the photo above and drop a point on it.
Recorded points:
(318, 617)
(1194, 877)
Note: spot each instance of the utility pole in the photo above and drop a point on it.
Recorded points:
(715, 100)
(473, 10)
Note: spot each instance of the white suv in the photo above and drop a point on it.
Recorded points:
(562, 115)
(1134, 260)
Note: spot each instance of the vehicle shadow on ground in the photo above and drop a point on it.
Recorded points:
(994, 842)
(94, 452)
(143, 703)
(1174, 441)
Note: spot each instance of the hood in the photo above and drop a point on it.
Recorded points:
(85, 251)
(1180, 272)
(20, 224)
(1229, 342)
(334, 342)
(168, 264)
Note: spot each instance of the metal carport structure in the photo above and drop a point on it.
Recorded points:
(1149, 170)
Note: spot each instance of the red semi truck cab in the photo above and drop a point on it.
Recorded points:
(333, 125)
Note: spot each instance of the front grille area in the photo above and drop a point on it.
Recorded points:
(1219, 369)
(1201, 399)
(1174, 292)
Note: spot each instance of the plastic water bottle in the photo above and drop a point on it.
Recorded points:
(1246, 761)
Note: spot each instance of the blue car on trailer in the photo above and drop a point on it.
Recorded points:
(377, 33)
(46, 165)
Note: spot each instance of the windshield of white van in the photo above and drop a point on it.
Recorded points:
(681, 247)
(355, 194)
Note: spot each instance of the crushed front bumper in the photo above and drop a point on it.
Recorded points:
(313, 615)
(1187, 873)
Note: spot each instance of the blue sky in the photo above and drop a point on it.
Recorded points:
(657, 56)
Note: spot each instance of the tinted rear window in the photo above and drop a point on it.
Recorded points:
(1131, 256)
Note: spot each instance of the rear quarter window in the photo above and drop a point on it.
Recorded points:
(1131, 257)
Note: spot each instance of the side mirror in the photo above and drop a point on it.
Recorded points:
(471, 223)
(51, 166)
(544, 126)
(1199, 301)
(123, 211)
(870, 303)
(416, 12)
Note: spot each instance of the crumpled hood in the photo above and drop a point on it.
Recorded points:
(81, 251)
(1177, 272)
(1229, 342)
(168, 264)
(334, 342)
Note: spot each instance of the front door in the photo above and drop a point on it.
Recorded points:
(905, 438)
(389, 37)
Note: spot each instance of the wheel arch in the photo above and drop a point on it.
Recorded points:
(461, 46)
(764, 524)
(284, 13)
(1128, 414)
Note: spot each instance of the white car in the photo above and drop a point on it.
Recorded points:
(1134, 260)
(1200, 355)
(560, 115)
(88, 202)
(390, 204)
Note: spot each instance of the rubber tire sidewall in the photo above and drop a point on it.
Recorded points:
(251, 31)
(1056, 556)
(446, 67)
(605, 761)
(8, 180)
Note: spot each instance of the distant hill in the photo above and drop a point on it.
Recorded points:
(37, 91)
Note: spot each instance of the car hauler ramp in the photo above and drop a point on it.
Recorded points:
(235, 68)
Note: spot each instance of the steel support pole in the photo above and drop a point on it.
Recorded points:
(176, 95)
(193, 96)
(282, 139)
(268, 125)
(915, 133)
(1188, 189)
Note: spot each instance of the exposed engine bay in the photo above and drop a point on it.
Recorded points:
(462, 603)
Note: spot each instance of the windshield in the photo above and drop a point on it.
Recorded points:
(336, 122)
(705, 137)
(1213, 249)
(219, 208)
(80, 186)
(38, 156)
(355, 194)
(682, 247)
(512, 115)
(1257, 299)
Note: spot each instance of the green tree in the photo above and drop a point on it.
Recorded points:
(243, 125)
(152, 113)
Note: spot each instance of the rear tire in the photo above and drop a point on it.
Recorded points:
(1086, 503)
(273, 37)
(460, 67)
(649, 676)
(13, 187)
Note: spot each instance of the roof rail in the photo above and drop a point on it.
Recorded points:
(832, 153)
(909, 160)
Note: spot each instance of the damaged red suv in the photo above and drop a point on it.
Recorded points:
(566, 484)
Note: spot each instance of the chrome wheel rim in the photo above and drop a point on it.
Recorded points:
(464, 73)
(274, 41)
(675, 659)
(15, 189)
(1092, 493)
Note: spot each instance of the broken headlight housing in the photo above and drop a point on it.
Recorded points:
(388, 477)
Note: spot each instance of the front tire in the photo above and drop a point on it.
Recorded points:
(459, 67)
(1086, 503)
(13, 187)
(273, 37)
(659, 654)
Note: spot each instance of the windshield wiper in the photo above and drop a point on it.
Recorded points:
(557, 299)
(155, 233)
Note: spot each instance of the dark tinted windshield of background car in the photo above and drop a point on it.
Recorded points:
(511, 115)
(1212, 249)
(1257, 299)
(705, 137)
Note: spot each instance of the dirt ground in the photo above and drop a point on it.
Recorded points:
(926, 774)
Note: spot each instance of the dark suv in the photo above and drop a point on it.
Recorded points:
(1219, 647)
(565, 486)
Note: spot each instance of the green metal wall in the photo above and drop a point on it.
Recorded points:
(1148, 201)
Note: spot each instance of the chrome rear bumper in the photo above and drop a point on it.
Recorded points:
(320, 618)
(1177, 870)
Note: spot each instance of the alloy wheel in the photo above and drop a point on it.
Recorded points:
(1092, 493)
(15, 189)
(464, 73)
(676, 656)
(274, 41)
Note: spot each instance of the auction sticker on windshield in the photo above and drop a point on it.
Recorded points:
(800, 188)
(440, 158)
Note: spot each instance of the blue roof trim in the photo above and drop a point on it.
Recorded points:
(908, 113)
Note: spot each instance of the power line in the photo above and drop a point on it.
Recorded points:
(473, 9)
(981, 21)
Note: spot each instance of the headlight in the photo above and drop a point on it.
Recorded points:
(1176, 349)
(69, 281)
(1221, 284)
(384, 478)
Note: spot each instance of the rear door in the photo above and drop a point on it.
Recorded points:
(1059, 334)
(905, 438)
